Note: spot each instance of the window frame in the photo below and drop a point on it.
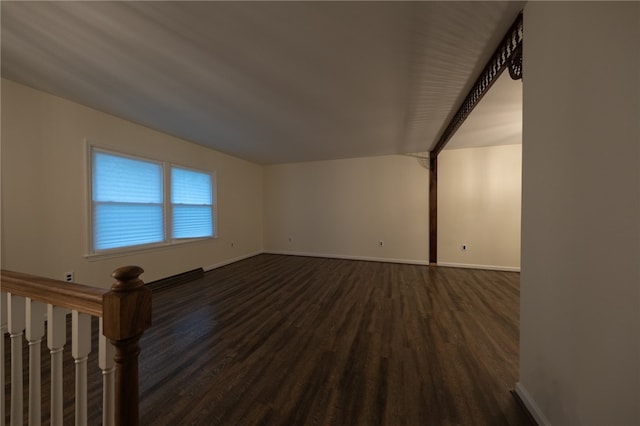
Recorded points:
(169, 203)
(167, 207)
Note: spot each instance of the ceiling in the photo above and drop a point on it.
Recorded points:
(496, 120)
(270, 82)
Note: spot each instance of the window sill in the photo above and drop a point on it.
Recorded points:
(115, 253)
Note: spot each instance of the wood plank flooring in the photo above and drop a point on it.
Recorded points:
(284, 340)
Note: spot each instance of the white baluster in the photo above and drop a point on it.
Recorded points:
(17, 322)
(3, 330)
(56, 339)
(106, 351)
(34, 334)
(80, 348)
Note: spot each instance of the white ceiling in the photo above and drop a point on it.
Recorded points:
(270, 82)
(496, 120)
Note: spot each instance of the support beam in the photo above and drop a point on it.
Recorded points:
(508, 54)
(433, 210)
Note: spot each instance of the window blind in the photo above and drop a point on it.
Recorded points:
(191, 204)
(127, 199)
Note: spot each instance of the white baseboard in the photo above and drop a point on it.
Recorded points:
(366, 258)
(531, 405)
(230, 261)
(472, 266)
(341, 256)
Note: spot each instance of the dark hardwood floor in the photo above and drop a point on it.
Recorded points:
(283, 340)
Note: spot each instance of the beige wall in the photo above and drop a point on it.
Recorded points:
(580, 282)
(339, 208)
(479, 206)
(342, 208)
(44, 202)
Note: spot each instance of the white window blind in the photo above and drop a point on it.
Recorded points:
(137, 203)
(127, 199)
(191, 204)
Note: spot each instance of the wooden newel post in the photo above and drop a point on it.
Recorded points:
(126, 315)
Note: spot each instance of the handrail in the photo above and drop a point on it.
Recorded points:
(81, 298)
(126, 313)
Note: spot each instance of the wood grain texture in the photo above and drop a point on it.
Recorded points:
(284, 340)
(433, 208)
(82, 298)
(127, 314)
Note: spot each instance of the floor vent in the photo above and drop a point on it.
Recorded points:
(174, 280)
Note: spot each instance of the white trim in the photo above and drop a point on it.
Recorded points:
(147, 248)
(230, 261)
(167, 207)
(88, 202)
(341, 256)
(531, 405)
(213, 177)
(472, 266)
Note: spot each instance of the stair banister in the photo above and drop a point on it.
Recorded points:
(125, 313)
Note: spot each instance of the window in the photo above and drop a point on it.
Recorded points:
(138, 202)
(191, 204)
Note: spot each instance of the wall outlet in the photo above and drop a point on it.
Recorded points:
(68, 276)
(464, 247)
(381, 243)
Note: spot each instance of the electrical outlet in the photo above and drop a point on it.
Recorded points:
(68, 276)
(381, 243)
(464, 247)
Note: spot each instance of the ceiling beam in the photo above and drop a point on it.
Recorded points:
(508, 54)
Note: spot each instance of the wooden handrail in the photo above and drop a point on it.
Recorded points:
(81, 298)
(126, 313)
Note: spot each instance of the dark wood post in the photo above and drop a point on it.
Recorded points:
(433, 209)
(126, 315)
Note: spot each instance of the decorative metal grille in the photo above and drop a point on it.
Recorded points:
(422, 157)
(508, 54)
(515, 64)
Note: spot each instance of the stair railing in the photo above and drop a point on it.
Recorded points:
(29, 303)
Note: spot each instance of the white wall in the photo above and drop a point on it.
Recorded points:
(580, 282)
(342, 208)
(479, 205)
(44, 203)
